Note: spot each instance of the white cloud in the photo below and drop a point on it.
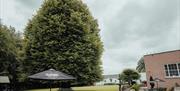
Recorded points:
(16, 14)
(131, 29)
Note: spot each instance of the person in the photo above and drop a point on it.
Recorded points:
(151, 83)
(145, 83)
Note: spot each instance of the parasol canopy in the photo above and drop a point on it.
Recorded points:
(52, 74)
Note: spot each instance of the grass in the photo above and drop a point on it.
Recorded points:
(87, 88)
(97, 88)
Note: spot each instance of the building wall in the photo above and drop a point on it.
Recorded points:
(155, 67)
(108, 81)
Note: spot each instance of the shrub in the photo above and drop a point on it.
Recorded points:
(159, 89)
(135, 87)
(171, 89)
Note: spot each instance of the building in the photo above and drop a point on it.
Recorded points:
(4, 83)
(164, 66)
(109, 79)
(4, 80)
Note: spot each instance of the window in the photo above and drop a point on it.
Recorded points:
(172, 70)
(166, 70)
(179, 68)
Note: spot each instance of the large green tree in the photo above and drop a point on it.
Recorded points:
(64, 35)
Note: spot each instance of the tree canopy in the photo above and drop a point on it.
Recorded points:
(141, 65)
(8, 52)
(128, 75)
(63, 35)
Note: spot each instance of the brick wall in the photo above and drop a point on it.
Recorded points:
(155, 67)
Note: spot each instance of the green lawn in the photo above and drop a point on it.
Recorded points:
(88, 88)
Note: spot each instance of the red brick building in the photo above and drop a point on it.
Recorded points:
(164, 66)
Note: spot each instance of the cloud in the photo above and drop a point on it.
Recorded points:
(131, 29)
(29, 3)
(135, 20)
(17, 12)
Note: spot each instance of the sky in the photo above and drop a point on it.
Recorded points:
(129, 28)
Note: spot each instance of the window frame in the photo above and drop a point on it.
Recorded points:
(168, 70)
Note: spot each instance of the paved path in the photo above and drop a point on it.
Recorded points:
(127, 89)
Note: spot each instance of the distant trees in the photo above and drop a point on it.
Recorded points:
(9, 46)
(141, 66)
(64, 35)
(128, 75)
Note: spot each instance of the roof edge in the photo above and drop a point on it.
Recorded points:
(162, 52)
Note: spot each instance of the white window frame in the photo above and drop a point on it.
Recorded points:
(177, 64)
(169, 72)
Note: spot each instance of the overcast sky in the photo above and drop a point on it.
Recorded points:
(129, 28)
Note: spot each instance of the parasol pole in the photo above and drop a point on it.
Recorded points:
(50, 85)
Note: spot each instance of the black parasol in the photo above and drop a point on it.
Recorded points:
(51, 75)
